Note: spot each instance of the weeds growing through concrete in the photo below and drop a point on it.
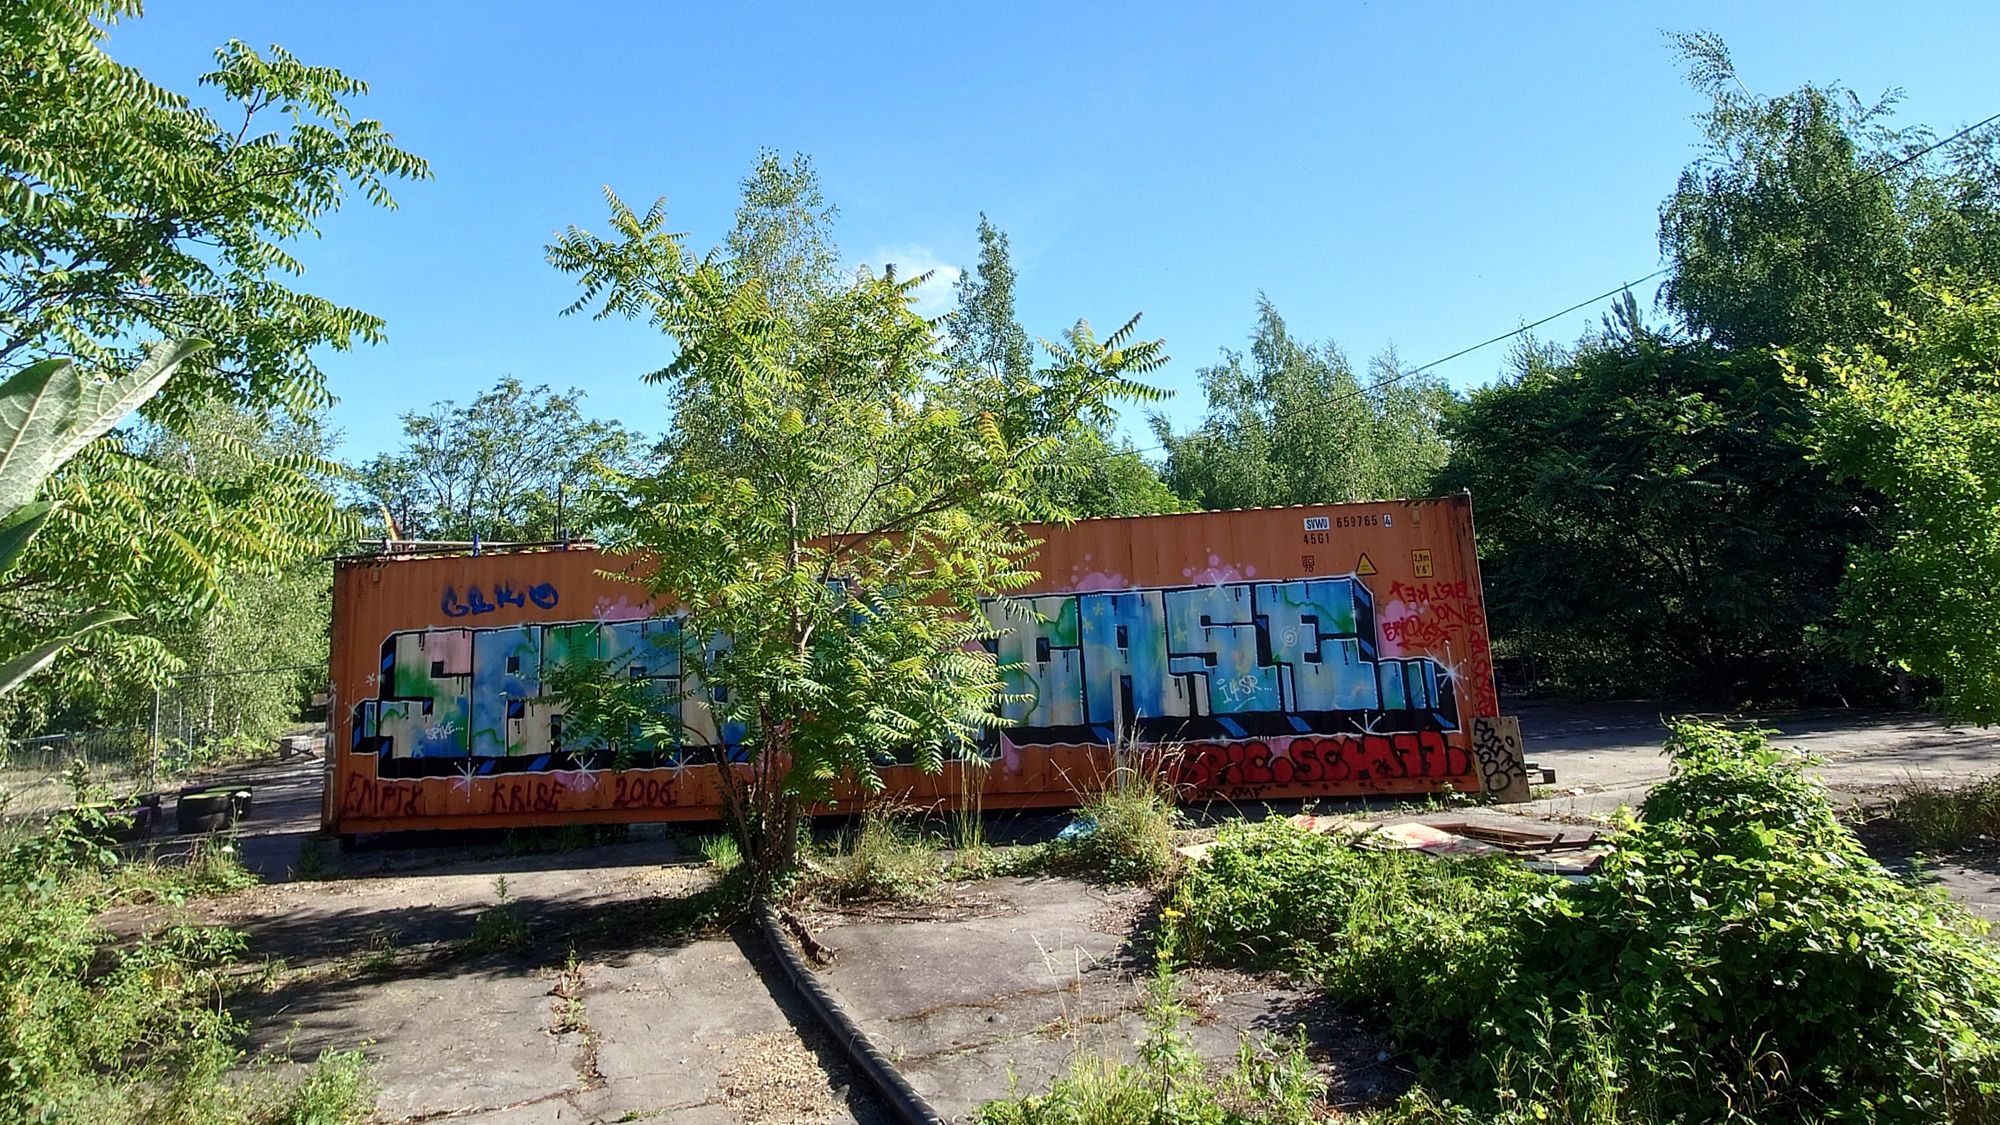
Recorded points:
(887, 856)
(499, 928)
(1944, 818)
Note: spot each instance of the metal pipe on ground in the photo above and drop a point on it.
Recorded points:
(908, 1105)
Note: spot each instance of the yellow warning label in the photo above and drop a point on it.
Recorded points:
(1364, 566)
(1420, 563)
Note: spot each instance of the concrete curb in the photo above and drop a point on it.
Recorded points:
(908, 1105)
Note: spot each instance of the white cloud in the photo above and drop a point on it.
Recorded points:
(936, 295)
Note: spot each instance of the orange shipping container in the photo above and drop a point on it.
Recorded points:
(1333, 650)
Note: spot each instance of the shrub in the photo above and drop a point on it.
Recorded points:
(1737, 957)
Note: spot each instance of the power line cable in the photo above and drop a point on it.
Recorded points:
(1399, 376)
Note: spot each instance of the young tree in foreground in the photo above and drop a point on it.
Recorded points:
(1917, 418)
(829, 553)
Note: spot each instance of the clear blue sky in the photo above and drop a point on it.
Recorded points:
(1422, 176)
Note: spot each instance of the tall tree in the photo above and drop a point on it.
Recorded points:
(129, 213)
(1648, 520)
(1915, 415)
(982, 328)
(1809, 208)
(783, 236)
(843, 546)
(1095, 474)
(517, 464)
(1292, 423)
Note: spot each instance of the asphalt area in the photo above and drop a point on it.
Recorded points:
(491, 984)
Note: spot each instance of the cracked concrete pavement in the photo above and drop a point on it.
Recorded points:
(658, 1019)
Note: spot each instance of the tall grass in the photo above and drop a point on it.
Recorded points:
(887, 856)
(1946, 818)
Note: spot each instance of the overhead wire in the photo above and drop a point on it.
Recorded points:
(1399, 375)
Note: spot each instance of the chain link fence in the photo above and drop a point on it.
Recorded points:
(197, 721)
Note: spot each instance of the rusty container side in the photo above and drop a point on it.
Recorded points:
(1322, 650)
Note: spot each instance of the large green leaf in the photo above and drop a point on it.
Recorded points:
(20, 667)
(35, 404)
(48, 411)
(17, 528)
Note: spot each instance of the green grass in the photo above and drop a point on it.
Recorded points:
(886, 857)
(722, 852)
(1944, 818)
(1129, 834)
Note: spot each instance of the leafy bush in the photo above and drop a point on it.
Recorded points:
(131, 1032)
(1737, 957)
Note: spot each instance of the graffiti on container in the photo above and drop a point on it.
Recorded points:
(1369, 761)
(1502, 767)
(542, 594)
(367, 797)
(1223, 663)
(451, 701)
(1264, 661)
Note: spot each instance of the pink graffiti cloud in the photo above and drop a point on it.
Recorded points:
(1098, 580)
(621, 610)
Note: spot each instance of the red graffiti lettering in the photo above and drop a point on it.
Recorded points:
(638, 792)
(1362, 763)
(367, 797)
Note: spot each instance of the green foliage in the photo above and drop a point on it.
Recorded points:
(1648, 520)
(887, 856)
(1737, 957)
(835, 500)
(1915, 416)
(783, 237)
(1807, 210)
(982, 328)
(499, 928)
(516, 464)
(1129, 837)
(606, 711)
(131, 213)
(131, 1031)
(722, 853)
(1295, 425)
(1272, 1083)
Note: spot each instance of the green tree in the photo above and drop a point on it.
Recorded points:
(983, 331)
(1094, 473)
(48, 415)
(783, 235)
(1915, 416)
(129, 213)
(515, 464)
(1808, 209)
(1295, 425)
(844, 543)
(1648, 520)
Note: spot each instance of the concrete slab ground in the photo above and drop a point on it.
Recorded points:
(618, 1005)
(1006, 982)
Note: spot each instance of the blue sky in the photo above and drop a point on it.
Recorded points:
(1416, 176)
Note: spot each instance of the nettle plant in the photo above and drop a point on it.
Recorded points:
(835, 500)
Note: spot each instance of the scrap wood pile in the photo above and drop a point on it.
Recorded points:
(1570, 851)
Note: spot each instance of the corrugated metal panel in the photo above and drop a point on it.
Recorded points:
(1311, 650)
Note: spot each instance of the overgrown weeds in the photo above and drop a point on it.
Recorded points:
(1124, 831)
(1941, 818)
(1738, 956)
(887, 856)
(499, 928)
(131, 1031)
(1272, 1083)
